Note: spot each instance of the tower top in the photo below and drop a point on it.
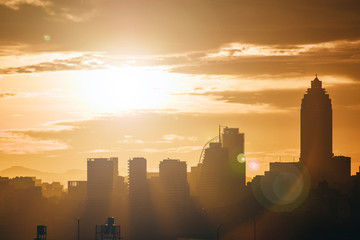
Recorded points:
(316, 83)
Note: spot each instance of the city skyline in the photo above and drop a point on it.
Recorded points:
(179, 119)
(83, 79)
(315, 192)
(169, 138)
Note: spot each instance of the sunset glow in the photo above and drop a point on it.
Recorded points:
(126, 88)
(174, 72)
(179, 119)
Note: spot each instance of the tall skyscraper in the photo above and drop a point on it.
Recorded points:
(316, 130)
(139, 200)
(220, 179)
(173, 180)
(137, 179)
(233, 141)
(101, 174)
(316, 126)
(212, 182)
(316, 138)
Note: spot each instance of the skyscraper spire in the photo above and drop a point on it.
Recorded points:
(316, 83)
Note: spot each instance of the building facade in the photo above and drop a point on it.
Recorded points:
(316, 138)
(101, 174)
(173, 181)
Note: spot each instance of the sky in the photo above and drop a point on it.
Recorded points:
(155, 78)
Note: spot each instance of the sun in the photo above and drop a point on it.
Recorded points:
(124, 88)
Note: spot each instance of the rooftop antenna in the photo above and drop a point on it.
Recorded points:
(220, 126)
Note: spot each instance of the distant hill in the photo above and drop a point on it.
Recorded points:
(73, 174)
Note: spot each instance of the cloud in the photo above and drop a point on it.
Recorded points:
(173, 137)
(165, 139)
(130, 140)
(338, 58)
(99, 151)
(14, 4)
(84, 62)
(282, 94)
(15, 143)
(273, 97)
(6, 95)
(162, 26)
(70, 10)
(182, 149)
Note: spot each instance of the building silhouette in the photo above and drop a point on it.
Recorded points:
(286, 185)
(173, 181)
(212, 185)
(233, 141)
(101, 175)
(316, 131)
(219, 180)
(283, 188)
(77, 190)
(339, 172)
(316, 138)
(139, 199)
(54, 189)
(138, 184)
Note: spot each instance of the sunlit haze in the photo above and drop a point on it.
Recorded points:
(179, 119)
(83, 79)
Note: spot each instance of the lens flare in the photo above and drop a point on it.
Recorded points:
(241, 158)
(284, 188)
(47, 38)
(254, 165)
(287, 187)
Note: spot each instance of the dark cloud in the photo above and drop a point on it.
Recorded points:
(84, 62)
(341, 59)
(346, 95)
(282, 98)
(5, 95)
(162, 26)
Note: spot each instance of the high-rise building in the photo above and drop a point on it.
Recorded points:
(212, 185)
(287, 184)
(316, 130)
(316, 138)
(173, 181)
(233, 141)
(140, 204)
(100, 179)
(220, 178)
(137, 179)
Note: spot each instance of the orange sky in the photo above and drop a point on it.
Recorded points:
(155, 78)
